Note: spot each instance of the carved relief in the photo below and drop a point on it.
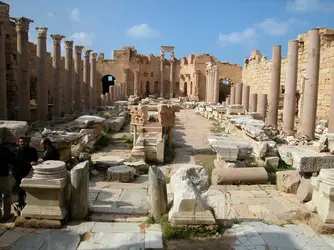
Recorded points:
(139, 115)
(41, 32)
(68, 44)
(22, 24)
(56, 38)
(78, 49)
(166, 114)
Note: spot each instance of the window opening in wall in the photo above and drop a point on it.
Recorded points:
(225, 82)
(107, 81)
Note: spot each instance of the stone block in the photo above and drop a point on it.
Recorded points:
(89, 121)
(272, 162)
(304, 191)
(288, 181)
(10, 131)
(305, 159)
(107, 161)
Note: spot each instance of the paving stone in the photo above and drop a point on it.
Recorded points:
(105, 227)
(79, 227)
(11, 236)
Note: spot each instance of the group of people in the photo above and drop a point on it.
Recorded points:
(21, 159)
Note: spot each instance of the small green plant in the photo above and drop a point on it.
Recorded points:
(216, 128)
(150, 219)
(282, 166)
(206, 161)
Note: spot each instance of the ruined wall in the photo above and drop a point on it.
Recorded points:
(257, 70)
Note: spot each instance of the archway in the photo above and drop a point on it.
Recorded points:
(185, 89)
(107, 81)
(224, 89)
(147, 92)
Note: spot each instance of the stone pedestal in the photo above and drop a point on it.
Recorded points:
(78, 81)
(274, 89)
(245, 97)
(238, 93)
(253, 103)
(68, 86)
(47, 191)
(310, 94)
(262, 106)
(289, 110)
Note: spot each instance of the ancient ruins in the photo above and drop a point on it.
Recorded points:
(150, 146)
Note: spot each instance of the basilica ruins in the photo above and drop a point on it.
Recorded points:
(193, 140)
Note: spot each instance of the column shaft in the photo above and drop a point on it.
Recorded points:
(232, 95)
(92, 91)
(136, 82)
(216, 84)
(86, 80)
(262, 105)
(245, 97)
(171, 82)
(78, 81)
(253, 103)
(238, 93)
(309, 112)
(161, 78)
(289, 108)
(68, 108)
(274, 89)
(3, 81)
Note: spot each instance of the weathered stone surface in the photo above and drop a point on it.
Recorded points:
(305, 159)
(288, 181)
(232, 176)
(255, 132)
(10, 131)
(240, 120)
(272, 162)
(140, 166)
(89, 121)
(121, 173)
(158, 192)
(115, 125)
(79, 191)
(304, 191)
(107, 161)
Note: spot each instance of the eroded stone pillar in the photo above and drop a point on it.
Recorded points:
(3, 81)
(289, 108)
(86, 80)
(274, 88)
(245, 97)
(232, 95)
(92, 92)
(253, 103)
(309, 108)
(23, 76)
(238, 93)
(196, 77)
(56, 87)
(126, 72)
(262, 105)
(171, 81)
(78, 81)
(68, 107)
(162, 58)
(136, 84)
(216, 83)
(42, 87)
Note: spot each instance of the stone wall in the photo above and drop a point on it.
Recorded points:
(257, 70)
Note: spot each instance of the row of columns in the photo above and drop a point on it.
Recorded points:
(116, 93)
(212, 83)
(259, 102)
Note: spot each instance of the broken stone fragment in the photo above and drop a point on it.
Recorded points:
(288, 181)
(121, 173)
(236, 176)
(107, 161)
(304, 191)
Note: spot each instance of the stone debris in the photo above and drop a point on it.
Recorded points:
(288, 181)
(239, 176)
(107, 161)
(121, 173)
(11, 131)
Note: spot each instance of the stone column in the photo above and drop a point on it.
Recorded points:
(245, 97)
(262, 105)
(274, 88)
(92, 91)
(216, 83)
(23, 84)
(309, 108)
(238, 93)
(42, 87)
(56, 87)
(126, 72)
(253, 103)
(68, 79)
(3, 81)
(228, 101)
(86, 80)
(78, 82)
(171, 83)
(289, 110)
(232, 95)
(210, 86)
(331, 114)
(162, 58)
(111, 91)
(207, 86)
(196, 84)
(135, 85)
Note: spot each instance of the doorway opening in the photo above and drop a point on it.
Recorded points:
(107, 81)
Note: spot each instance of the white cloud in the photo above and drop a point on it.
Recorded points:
(274, 27)
(237, 37)
(50, 14)
(75, 14)
(143, 31)
(83, 38)
(310, 5)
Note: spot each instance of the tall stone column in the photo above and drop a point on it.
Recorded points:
(238, 93)
(3, 81)
(232, 95)
(23, 86)
(216, 83)
(136, 83)
(56, 87)
(309, 108)
(78, 82)
(207, 98)
(68, 107)
(289, 109)
(210, 86)
(245, 97)
(126, 72)
(171, 81)
(253, 103)
(274, 88)
(162, 58)
(262, 105)
(196, 84)
(86, 81)
(331, 114)
(42, 87)
(92, 91)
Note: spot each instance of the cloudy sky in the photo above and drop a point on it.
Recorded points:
(227, 29)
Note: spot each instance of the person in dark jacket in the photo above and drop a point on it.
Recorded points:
(50, 152)
(7, 158)
(26, 156)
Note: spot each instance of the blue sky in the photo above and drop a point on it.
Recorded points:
(229, 30)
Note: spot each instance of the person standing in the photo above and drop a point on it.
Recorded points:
(26, 156)
(50, 152)
(7, 158)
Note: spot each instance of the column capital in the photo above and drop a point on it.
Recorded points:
(68, 44)
(56, 38)
(22, 24)
(216, 67)
(93, 56)
(41, 32)
(78, 49)
(87, 52)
